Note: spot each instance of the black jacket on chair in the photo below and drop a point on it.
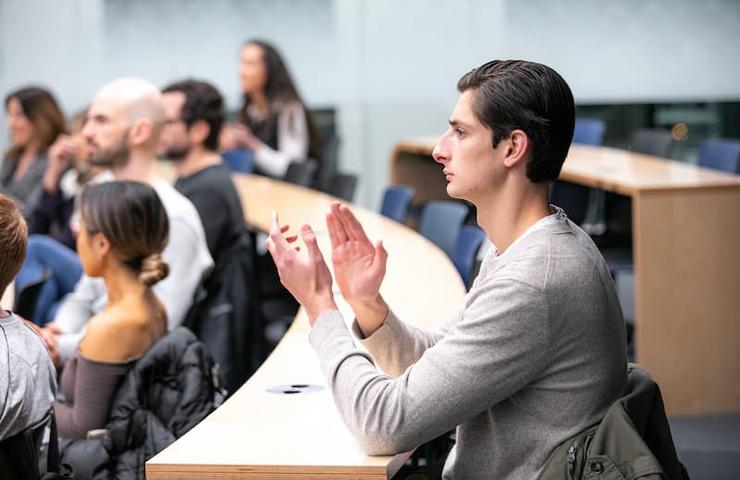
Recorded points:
(226, 317)
(168, 391)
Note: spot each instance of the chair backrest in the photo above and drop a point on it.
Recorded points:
(342, 185)
(721, 155)
(396, 202)
(329, 161)
(441, 221)
(20, 454)
(239, 160)
(651, 141)
(468, 243)
(301, 173)
(572, 198)
(589, 131)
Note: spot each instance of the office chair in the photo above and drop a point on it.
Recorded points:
(239, 160)
(342, 185)
(721, 155)
(651, 141)
(396, 202)
(301, 173)
(441, 221)
(589, 131)
(467, 245)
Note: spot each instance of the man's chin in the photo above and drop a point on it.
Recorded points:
(175, 156)
(100, 162)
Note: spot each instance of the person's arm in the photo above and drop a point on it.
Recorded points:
(292, 142)
(498, 347)
(189, 261)
(95, 385)
(397, 345)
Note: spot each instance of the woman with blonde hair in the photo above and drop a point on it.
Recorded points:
(123, 229)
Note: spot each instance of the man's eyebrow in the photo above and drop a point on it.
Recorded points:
(457, 123)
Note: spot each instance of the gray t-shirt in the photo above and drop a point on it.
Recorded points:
(27, 377)
(535, 354)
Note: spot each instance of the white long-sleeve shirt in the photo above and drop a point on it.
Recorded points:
(292, 141)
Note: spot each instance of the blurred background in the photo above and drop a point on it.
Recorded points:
(376, 71)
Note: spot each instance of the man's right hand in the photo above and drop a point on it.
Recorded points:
(359, 267)
(60, 154)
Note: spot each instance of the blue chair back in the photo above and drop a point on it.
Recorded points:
(396, 202)
(239, 160)
(468, 243)
(441, 221)
(589, 131)
(721, 155)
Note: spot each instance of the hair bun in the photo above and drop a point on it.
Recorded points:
(153, 269)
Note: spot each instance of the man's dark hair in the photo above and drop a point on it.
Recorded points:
(202, 102)
(516, 94)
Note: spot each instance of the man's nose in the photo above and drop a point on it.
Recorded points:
(440, 153)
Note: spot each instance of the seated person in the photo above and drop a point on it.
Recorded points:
(67, 170)
(51, 245)
(123, 230)
(273, 121)
(27, 375)
(195, 114)
(35, 121)
(124, 123)
(536, 352)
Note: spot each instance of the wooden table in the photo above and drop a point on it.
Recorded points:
(257, 434)
(686, 247)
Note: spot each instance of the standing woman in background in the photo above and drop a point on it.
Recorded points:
(273, 121)
(35, 121)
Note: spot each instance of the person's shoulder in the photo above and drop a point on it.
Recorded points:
(177, 205)
(109, 336)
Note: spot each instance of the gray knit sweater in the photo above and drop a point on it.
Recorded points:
(535, 354)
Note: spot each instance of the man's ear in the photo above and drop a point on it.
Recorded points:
(141, 132)
(518, 148)
(198, 132)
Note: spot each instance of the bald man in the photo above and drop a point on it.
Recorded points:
(124, 122)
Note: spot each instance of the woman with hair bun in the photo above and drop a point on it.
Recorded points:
(123, 230)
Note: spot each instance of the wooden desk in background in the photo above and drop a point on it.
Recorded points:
(257, 434)
(686, 247)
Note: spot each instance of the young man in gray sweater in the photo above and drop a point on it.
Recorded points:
(536, 352)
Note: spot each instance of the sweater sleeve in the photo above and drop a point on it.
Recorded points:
(497, 348)
(397, 345)
(94, 387)
(292, 142)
